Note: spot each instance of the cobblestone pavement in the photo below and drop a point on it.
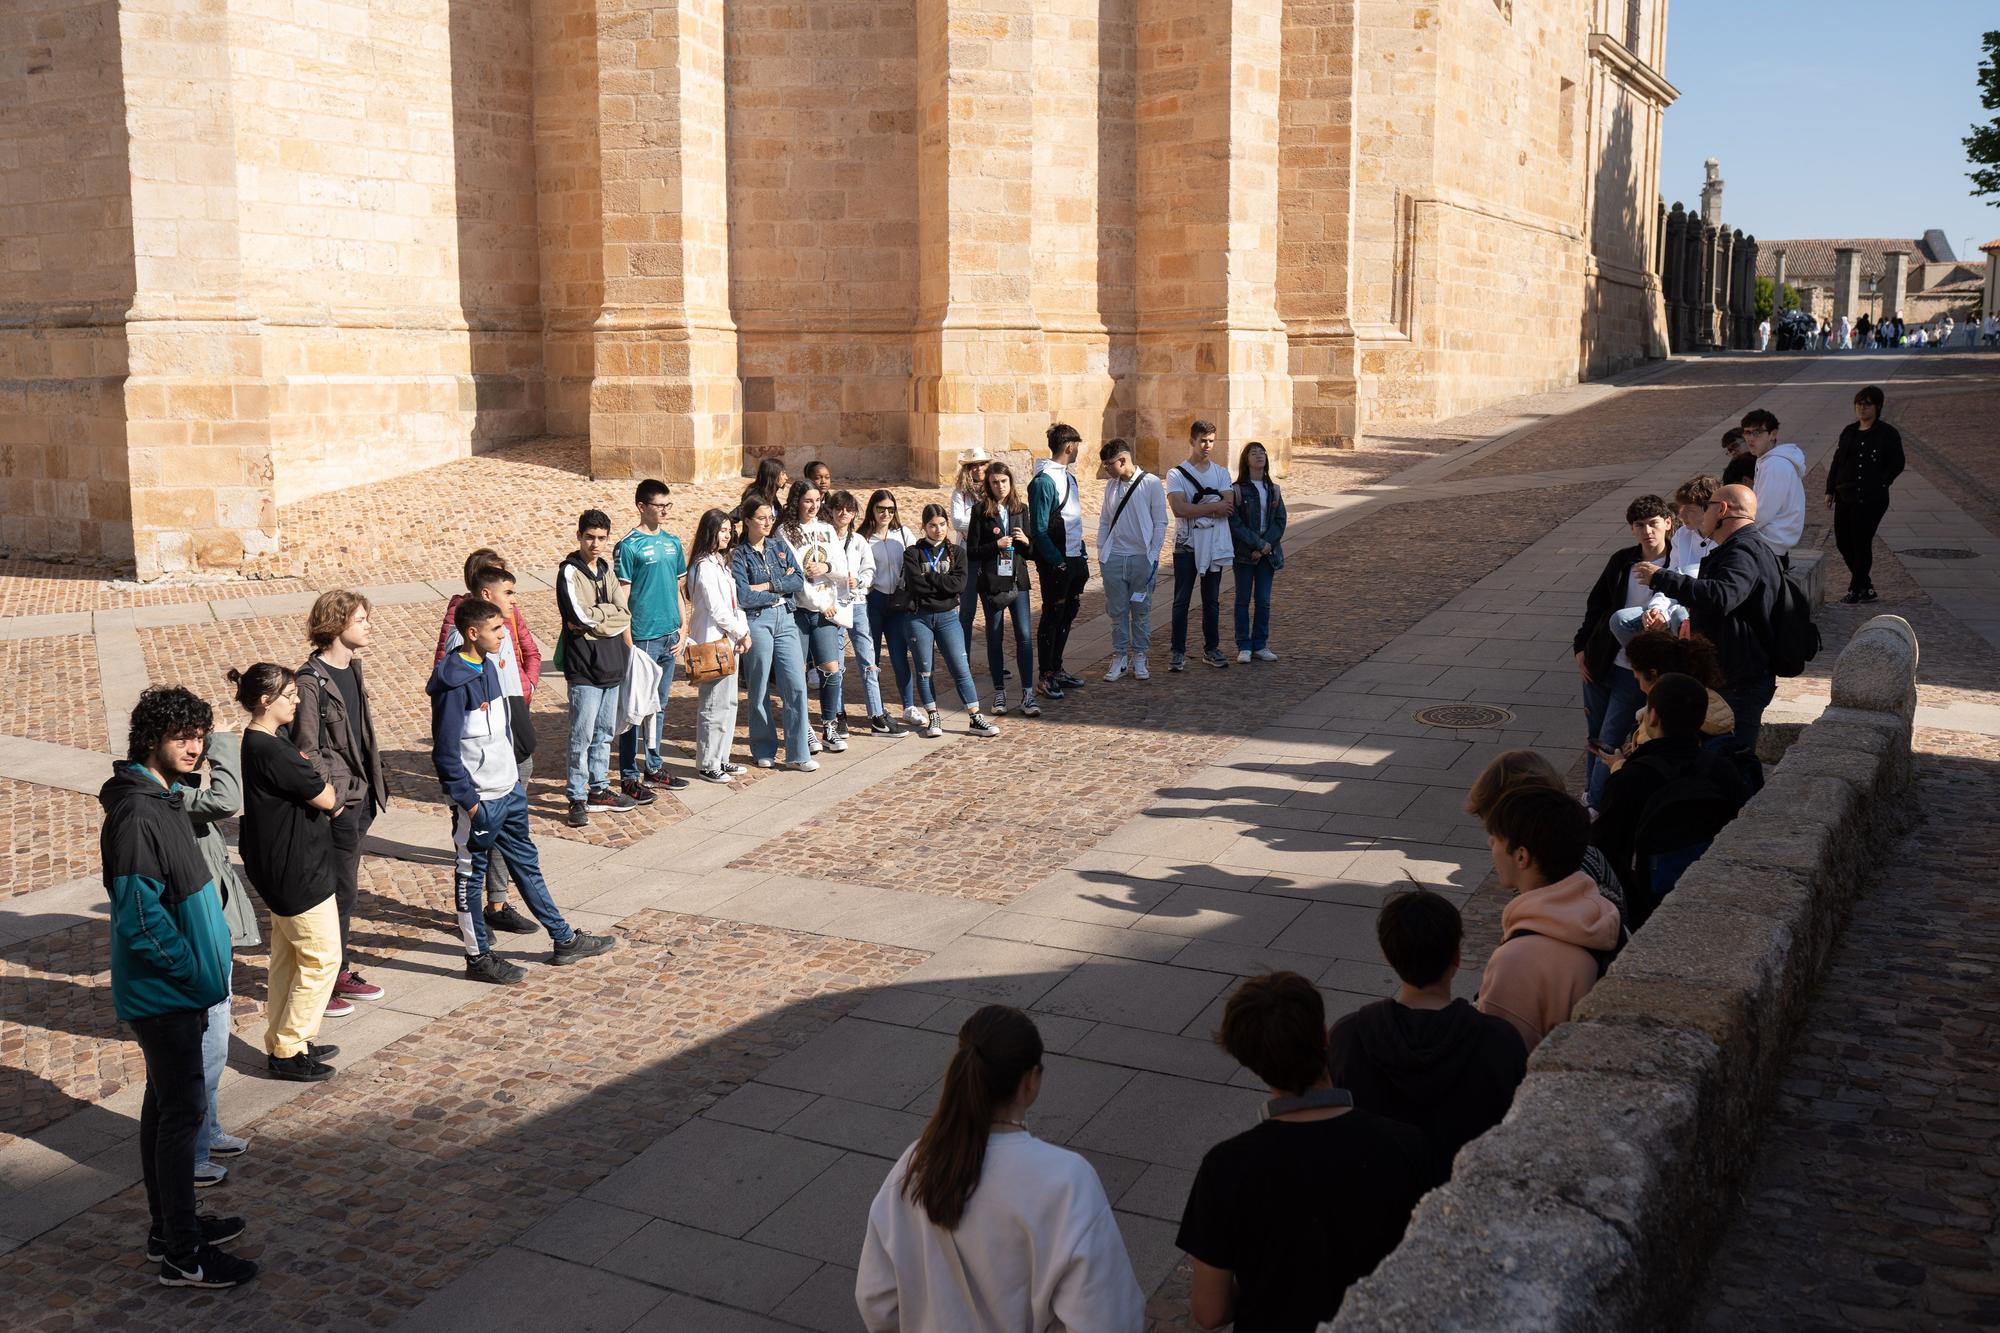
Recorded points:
(465, 1124)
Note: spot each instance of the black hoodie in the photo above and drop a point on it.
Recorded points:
(1451, 1072)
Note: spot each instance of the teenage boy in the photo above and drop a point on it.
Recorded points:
(1130, 527)
(1284, 1217)
(1611, 694)
(1201, 497)
(1742, 466)
(1780, 484)
(1668, 800)
(169, 967)
(472, 747)
(1055, 526)
(1730, 603)
(1557, 932)
(1423, 1057)
(335, 731)
(1865, 464)
(492, 583)
(595, 647)
(652, 572)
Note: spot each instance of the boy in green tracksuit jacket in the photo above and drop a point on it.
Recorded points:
(169, 966)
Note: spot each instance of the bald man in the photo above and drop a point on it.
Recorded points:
(1730, 603)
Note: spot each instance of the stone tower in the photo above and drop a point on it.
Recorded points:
(1711, 193)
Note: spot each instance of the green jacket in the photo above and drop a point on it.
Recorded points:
(169, 943)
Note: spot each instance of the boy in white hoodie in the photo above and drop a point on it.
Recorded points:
(1781, 483)
(1558, 932)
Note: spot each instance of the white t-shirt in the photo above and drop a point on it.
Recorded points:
(1037, 1248)
(1212, 476)
(816, 544)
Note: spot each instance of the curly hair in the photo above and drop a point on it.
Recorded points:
(165, 712)
(330, 615)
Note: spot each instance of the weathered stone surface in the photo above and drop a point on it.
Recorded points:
(1877, 671)
(1654, 1054)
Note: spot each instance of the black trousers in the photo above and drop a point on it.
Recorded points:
(170, 1115)
(350, 826)
(1062, 594)
(1854, 525)
(1185, 583)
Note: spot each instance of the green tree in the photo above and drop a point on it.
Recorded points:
(1983, 144)
(1787, 300)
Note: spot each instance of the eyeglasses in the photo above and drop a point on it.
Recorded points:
(656, 504)
(885, 509)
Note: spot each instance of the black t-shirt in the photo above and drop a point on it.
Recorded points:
(350, 693)
(287, 845)
(1300, 1211)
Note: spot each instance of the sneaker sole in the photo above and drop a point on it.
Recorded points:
(299, 1078)
(497, 981)
(565, 959)
(214, 1151)
(161, 1256)
(201, 1184)
(355, 998)
(206, 1284)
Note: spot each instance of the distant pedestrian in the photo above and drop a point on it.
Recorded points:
(980, 1226)
(1201, 498)
(1257, 531)
(1763, 335)
(169, 969)
(1865, 464)
(1130, 527)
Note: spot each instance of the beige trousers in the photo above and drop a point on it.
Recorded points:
(305, 962)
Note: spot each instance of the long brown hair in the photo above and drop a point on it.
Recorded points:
(997, 1048)
(988, 504)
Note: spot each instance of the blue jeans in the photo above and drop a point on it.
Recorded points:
(775, 655)
(661, 651)
(593, 713)
(892, 631)
(214, 1055)
(968, 602)
(996, 644)
(862, 636)
(1748, 704)
(823, 643)
(1626, 624)
(1253, 581)
(498, 827)
(931, 630)
(1127, 577)
(1609, 705)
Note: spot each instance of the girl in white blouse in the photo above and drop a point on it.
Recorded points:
(715, 615)
(983, 1228)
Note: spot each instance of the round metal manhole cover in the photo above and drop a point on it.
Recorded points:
(1463, 715)
(1940, 553)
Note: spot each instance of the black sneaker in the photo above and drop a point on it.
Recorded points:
(933, 727)
(1215, 658)
(214, 1231)
(579, 815)
(637, 793)
(881, 725)
(1853, 596)
(490, 966)
(1870, 595)
(1178, 662)
(1068, 681)
(711, 775)
(210, 1269)
(582, 945)
(319, 1053)
(841, 722)
(979, 726)
(659, 777)
(300, 1068)
(1050, 688)
(606, 799)
(509, 920)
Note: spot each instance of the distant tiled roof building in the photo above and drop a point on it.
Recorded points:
(1810, 262)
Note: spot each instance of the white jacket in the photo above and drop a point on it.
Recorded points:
(712, 591)
(1037, 1248)
(1143, 525)
(887, 551)
(1781, 497)
(639, 696)
(857, 559)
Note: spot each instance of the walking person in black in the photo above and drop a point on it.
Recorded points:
(1865, 464)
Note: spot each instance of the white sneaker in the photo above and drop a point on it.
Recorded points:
(834, 741)
(1243, 656)
(813, 742)
(1117, 671)
(915, 716)
(1139, 671)
(1265, 655)
(806, 766)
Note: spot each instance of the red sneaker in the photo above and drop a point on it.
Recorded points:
(350, 986)
(337, 1007)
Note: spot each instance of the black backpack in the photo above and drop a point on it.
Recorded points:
(1691, 806)
(1794, 636)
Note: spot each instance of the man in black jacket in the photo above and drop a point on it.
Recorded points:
(1611, 695)
(1423, 1057)
(1866, 462)
(1730, 604)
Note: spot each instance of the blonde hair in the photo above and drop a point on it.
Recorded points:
(1509, 770)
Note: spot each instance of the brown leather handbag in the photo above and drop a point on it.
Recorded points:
(710, 661)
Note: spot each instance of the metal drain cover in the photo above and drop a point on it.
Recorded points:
(1464, 715)
(1940, 553)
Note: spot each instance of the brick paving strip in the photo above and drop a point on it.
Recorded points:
(754, 1201)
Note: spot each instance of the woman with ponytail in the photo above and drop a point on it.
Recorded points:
(983, 1228)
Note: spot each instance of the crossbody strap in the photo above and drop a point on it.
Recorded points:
(1124, 500)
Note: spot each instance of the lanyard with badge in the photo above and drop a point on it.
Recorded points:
(1003, 564)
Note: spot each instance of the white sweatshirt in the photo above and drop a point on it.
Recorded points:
(888, 552)
(712, 592)
(1038, 1248)
(1781, 497)
(857, 557)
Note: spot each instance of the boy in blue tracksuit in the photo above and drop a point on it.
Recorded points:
(169, 967)
(472, 747)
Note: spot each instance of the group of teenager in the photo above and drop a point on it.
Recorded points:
(980, 1225)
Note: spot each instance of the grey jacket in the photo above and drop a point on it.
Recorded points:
(340, 747)
(217, 799)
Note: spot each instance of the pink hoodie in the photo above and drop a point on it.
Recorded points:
(1534, 981)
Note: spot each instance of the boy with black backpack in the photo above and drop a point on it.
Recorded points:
(1669, 799)
(1558, 933)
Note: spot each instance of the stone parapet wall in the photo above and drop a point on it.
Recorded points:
(1594, 1203)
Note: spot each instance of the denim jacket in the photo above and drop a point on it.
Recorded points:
(777, 566)
(1252, 529)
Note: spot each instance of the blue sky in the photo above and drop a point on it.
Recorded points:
(1825, 158)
